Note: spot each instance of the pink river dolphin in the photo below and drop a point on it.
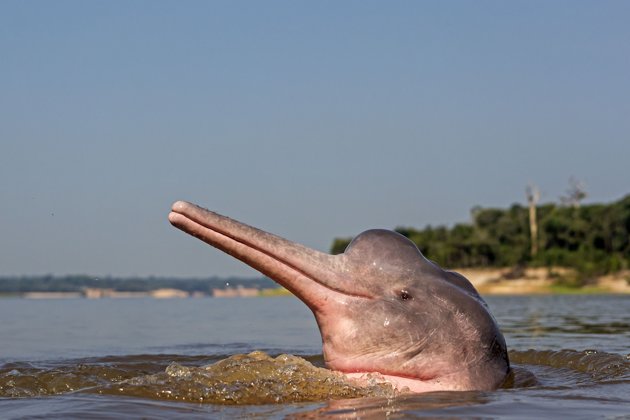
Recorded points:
(382, 308)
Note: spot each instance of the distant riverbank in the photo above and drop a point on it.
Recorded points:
(510, 281)
(488, 281)
(98, 287)
(97, 293)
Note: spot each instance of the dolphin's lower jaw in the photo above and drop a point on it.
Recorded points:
(351, 300)
(403, 384)
(464, 379)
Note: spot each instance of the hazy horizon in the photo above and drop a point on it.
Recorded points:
(309, 120)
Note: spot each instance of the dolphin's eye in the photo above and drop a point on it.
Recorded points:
(404, 295)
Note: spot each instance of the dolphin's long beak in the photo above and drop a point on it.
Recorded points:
(314, 277)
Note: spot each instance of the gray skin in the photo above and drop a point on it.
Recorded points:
(382, 308)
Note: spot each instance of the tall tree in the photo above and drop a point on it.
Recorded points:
(533, 195)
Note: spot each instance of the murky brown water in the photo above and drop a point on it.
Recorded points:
(254, 378)
(188, 358)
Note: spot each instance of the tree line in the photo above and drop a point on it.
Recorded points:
(593, 239)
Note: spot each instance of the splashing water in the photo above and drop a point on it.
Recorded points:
(258, 378)
(255, 378)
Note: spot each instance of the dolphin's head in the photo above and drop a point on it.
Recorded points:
(381, 306)
(405, 317)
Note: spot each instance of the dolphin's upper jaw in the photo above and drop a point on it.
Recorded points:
(312, 276)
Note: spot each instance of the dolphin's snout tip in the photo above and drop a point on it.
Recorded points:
(177, 214)
(179, 205)
(173, 217)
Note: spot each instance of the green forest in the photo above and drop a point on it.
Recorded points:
(593, 239)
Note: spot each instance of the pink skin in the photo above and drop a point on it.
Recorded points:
(381, 307)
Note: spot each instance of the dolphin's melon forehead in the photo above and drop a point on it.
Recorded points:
(390, 249)
(382, 241)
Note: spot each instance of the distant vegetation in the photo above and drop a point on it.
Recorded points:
(593, 239)
(76, 283)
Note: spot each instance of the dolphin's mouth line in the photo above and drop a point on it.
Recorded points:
(389, 374)
(269, 254)
(401, 383)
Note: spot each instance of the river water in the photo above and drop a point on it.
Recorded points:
(147, 358)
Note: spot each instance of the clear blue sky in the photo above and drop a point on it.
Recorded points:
(308, 119)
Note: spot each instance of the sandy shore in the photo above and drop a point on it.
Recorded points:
(504, 281)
